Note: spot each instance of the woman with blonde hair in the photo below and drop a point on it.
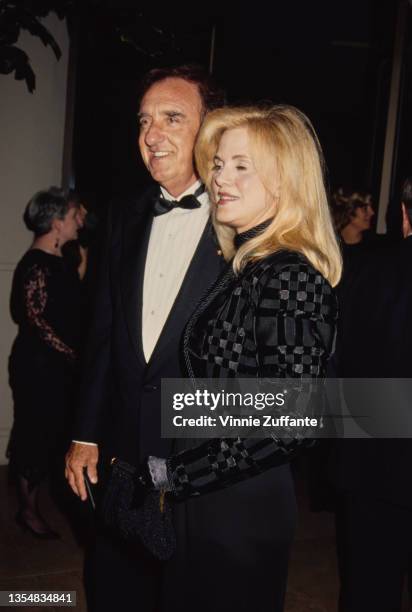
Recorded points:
(271, 314)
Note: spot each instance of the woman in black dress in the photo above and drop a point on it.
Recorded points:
(45, 302)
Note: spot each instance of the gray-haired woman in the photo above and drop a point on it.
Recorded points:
(45, 304)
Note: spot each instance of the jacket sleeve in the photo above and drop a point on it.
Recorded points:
(94, 388)
(295, 323)
(294, 327)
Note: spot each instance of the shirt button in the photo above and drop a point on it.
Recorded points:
(152, 312)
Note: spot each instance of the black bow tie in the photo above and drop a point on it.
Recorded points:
(163, 206)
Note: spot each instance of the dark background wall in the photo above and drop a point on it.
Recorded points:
(331, 59)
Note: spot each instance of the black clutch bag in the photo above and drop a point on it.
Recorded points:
(147, 520)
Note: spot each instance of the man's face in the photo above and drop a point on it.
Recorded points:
(170, 117)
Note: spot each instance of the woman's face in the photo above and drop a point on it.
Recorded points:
(240, 197)
(68, 226)
(362, 217)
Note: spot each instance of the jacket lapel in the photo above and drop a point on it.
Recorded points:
(217, 290)
(137, 225)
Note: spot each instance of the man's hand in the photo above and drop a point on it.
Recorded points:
(81, 456)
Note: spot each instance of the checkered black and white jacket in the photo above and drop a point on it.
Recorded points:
(276, 319)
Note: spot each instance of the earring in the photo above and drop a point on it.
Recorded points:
(56, 244)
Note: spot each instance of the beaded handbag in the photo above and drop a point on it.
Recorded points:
(137, 515)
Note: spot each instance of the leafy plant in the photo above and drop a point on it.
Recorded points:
(19, 15)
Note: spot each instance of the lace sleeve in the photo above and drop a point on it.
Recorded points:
(35, 297)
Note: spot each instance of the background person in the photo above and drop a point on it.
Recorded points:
(372, 477)
(406, 204)
(352, 214)
(45, 302)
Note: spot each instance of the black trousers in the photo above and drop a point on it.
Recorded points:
(120, 577)
(374, 544)
(233, 553)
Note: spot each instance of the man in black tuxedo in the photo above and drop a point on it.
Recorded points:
(374, 476)
(160, 257)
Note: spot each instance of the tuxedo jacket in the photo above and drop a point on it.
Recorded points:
(375, 341)
(119, 403)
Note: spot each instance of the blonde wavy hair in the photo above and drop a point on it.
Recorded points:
(283, 143)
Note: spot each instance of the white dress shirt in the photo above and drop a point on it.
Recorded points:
(173, 241)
